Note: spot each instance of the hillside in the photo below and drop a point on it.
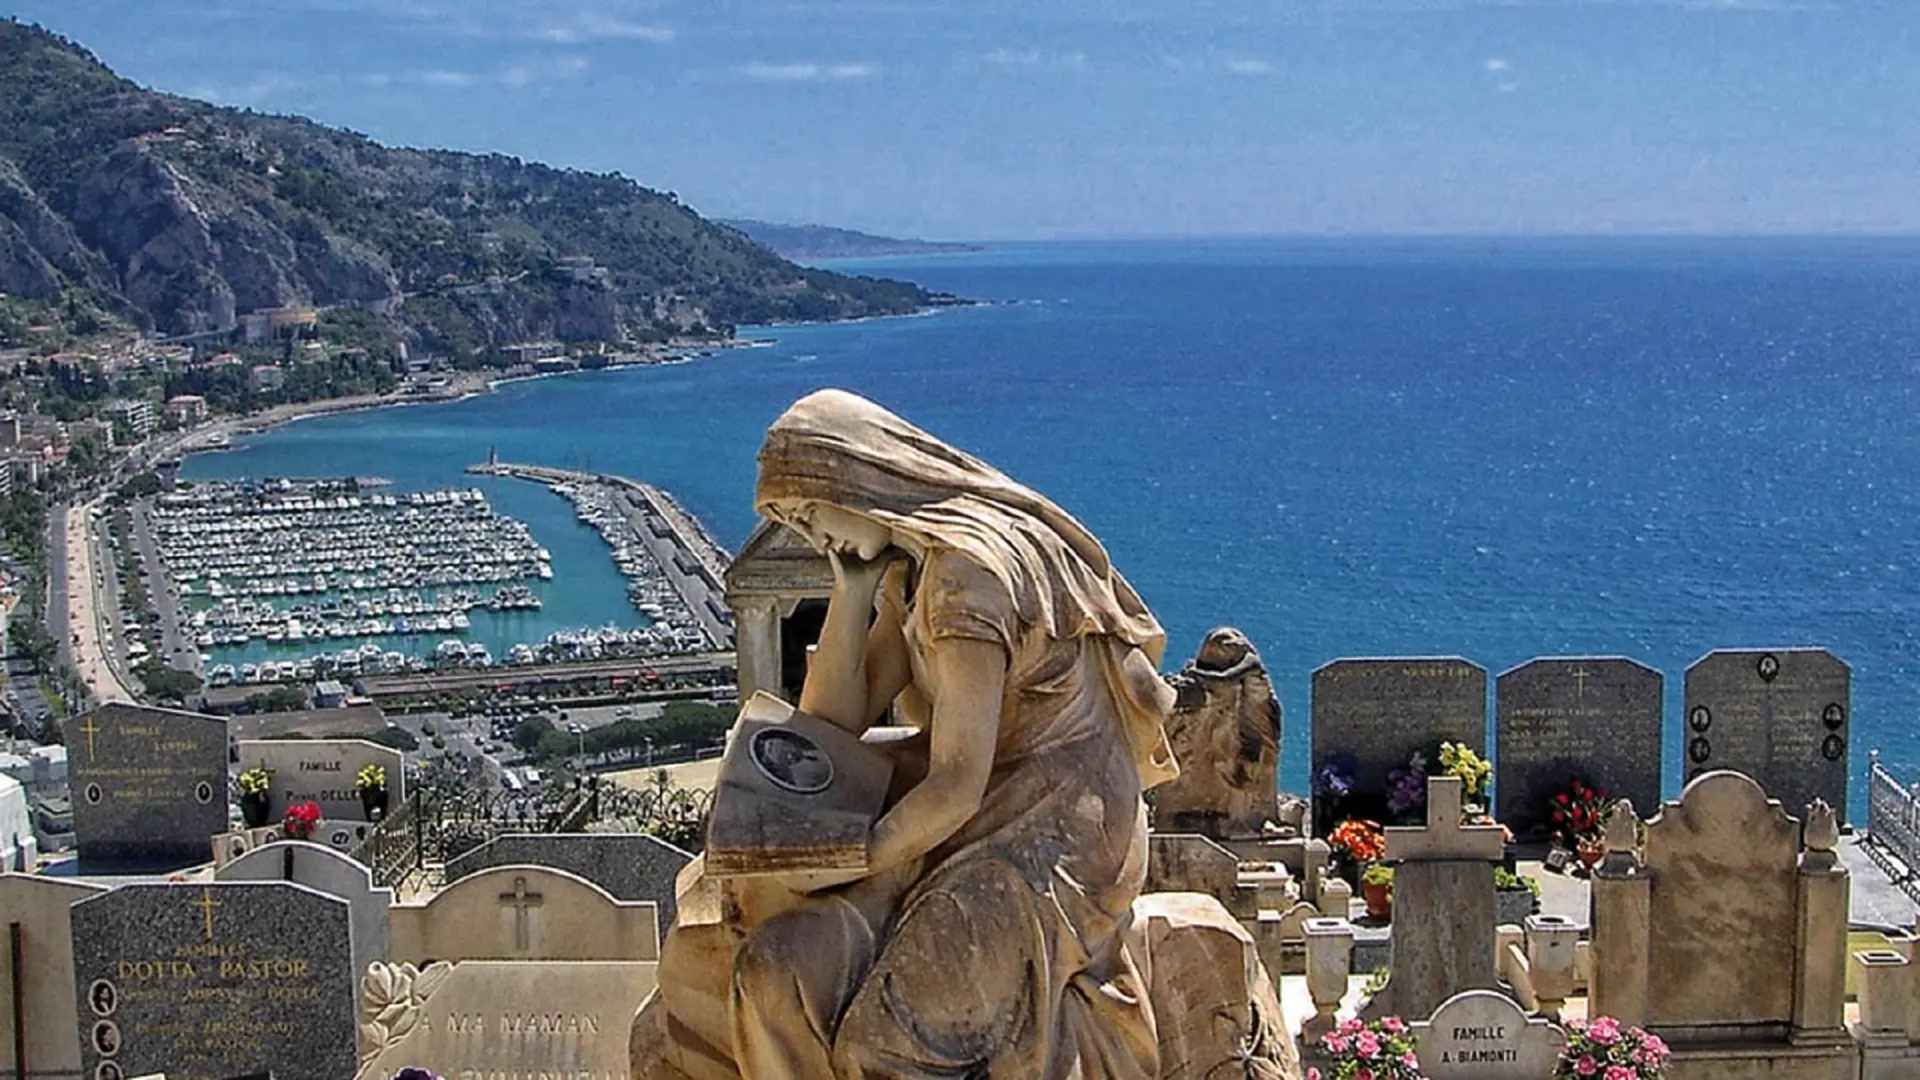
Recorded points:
(825, 242)
(120, 203)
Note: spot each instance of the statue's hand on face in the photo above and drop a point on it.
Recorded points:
(829, 528)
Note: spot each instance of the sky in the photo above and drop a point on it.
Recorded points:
(1061, 119)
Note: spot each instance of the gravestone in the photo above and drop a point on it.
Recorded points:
(1188, 863)
(1384, 710)
(1486, 1035)
(482, 1018)
(40, 992)
(1443, 906)
(322, 771)
(327, 871)
(209, 981)
(1782, 716)
(149, 785)
(522, 913)
(1555, 718)
(630, 866)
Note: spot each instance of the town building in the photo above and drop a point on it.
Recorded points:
(186, 410)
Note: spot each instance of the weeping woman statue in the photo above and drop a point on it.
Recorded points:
(987, 935)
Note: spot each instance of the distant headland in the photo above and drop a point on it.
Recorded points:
(827, 242)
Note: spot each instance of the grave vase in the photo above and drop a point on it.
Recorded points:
(253, 809)
(374, 802)
(1591, 851)
(1379, 901)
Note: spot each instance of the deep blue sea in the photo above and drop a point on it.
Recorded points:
(1500, 449)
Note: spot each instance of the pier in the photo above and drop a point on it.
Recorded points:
(690, 561)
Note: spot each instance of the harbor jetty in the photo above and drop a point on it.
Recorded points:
(674, 567)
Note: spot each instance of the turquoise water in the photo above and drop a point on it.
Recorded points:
(1495, 449)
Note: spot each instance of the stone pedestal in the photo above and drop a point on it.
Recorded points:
(1622, 908)
(1329, 964)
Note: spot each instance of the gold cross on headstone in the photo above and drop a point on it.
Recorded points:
(206, 904)
(1445, 836)
(521, 900)
(1580, 677)
(89, 727)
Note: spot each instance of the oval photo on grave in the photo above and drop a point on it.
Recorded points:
(792, 761)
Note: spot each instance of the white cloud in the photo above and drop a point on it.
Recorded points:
(1496, 63)
(1248, 67)
(808, 72)
(1015, 57)
(594, 26)
(1508, 87)
(443, 78)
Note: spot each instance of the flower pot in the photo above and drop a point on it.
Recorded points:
(374, 802)
(1591, 852)
(253, 809)
(1379, 901)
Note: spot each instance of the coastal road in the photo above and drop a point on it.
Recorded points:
(177, 649)
(81, 576)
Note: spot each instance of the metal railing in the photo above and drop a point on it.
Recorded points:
(1893, 826)
(432, 827)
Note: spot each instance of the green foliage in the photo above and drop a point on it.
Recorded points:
(531, 733)
(1378, 874)
(165, 684)
(1506, 880)
(398, 738)
(141, 486)
(278, 699)
(1376, 982)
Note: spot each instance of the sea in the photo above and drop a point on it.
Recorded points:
(1499, 449)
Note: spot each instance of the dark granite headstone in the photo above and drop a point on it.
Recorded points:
(1382, 710)
(209, 981)
(149, 785)
(1782, 716)
(630, 866)
(1596, 717)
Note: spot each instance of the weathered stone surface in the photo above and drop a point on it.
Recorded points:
(322, 771)
(1187, 863)
(630, 866)
(522, 913)
(1225, 732)
(1782, 716)
(1486, 1035)
(1214, 1006)
(149, 785)
(1443, 916)
(1596, 717)
(205, 982)
(1722, 927)
(502, 1018)
(327, 871)
(1384, 710)
(40, 905)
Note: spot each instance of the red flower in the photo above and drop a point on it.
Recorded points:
(301, 820)
(1562, 799)
(1559, 815)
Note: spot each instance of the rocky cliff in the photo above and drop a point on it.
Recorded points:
(181, 216)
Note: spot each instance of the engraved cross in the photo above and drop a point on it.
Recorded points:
(1445, 836)
(1580, 677)
(206, 904)
(521, 900)
(90, 728)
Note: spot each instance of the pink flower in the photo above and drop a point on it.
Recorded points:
(1585, 1066)
(1364, 1074)
(1313, 1074)
(1392, 1026)
(1656, 1046)
(1368, 1044)
(1604, 1030)
(1411, 1061)
(1334, 1042)
(1619, 1072)
(1350, 1026)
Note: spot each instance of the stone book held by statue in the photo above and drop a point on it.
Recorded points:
(796, 794)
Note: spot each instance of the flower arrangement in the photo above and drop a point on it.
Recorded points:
(1378, 874)
(1579, 813)
(1362, 841)
(1373, 1050)
(370, 778)
(301, 820)
(1336, 775)
(254, 781)
(1604, 1050)
(1474, 771)
(1407, 787)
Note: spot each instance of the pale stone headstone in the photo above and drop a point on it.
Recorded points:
(630, 866)
(208, 981)
(1782, 716)
(323, 870)
(1721, 918)
(1384, 710)
(522, 913)
(1596, 717)
(1443, 906)
(1486, 1035)
(1185, 863)
(44, 983)
(1216, 1009)
(149, 785)
(482, 1018)
(322, 771)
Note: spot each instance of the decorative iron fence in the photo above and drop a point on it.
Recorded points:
(438, 824)
(1893, 826)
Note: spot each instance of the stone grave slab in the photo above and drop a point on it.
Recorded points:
(1189, 863)
(42, 990)
(485, 1018)
(630, 866)
(149, 785)
(522, 913)
(322, 771)
(1724, 866)
(210, 981)
(1443, 906)
(1782, 716)
(1598, 717)
(327, 871)
(1486, 1035)
(1383, 710)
